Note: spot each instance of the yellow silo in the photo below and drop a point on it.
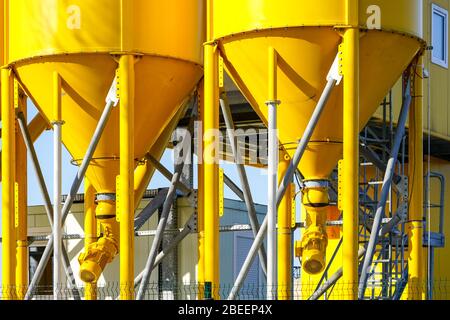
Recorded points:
(82, 41)
(306, 36)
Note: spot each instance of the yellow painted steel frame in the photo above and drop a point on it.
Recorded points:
(90, 231)
(126, 190)
(416, 262)
(284, 235)
(350, 70)
(210, 154)
(200, 201)
(21, 203)
(8, 186)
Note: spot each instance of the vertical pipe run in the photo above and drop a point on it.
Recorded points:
(211, 158)
(57, 165)
(416, 262)
(8, 180)
(22, 225)
(351, 159)
(200, 196)
(126, 192)
(90, 231)
(284, 235)
(272, 176)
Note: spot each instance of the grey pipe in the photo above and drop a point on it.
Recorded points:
(37, 168)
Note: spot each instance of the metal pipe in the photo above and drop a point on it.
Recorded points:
(90, 231)
(226, 112)
(166, 173)
(350, 56)
(385, 190)
(159, 232)
(285, 236)
(110, 103)
(272, 166)
(210, 157)
(201, 195)
(37, 168)
(57, 166)
(233, 187)
(22, 218)
(126, 190)
(8, 186)
(416, 261)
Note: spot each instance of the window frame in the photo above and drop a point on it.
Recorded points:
(444, 13)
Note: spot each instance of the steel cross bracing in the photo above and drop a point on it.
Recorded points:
(388, 266)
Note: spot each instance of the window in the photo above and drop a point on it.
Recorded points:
(439, 36)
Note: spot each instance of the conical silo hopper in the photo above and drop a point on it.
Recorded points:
(80, 41)
(306, 36)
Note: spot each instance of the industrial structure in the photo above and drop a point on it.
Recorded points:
(344, 103)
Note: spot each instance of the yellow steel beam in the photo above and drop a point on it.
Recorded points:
(210, 155)
(90, 231)
(284, 235)
(416, 262)
(200, 200)
(21, 203)
(8, 198)
(126, 193)
(350, 70)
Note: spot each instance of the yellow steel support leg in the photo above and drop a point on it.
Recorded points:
(200, 201)
(351, 156)
(90, 231)
(210, 157)
(416, 262)
(126, 192)
(21, 221)
(284, 235)
(8, 198)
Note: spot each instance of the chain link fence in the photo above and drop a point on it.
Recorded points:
(439, 290)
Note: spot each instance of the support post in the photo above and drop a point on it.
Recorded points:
(57, 166)
(8, 186)
(126, 192)
(211, 158)
(416, 282)
(272, 105)
(90, 231)
(350, 69)
(200, 195)
(21, 223)
(285, 235)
